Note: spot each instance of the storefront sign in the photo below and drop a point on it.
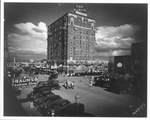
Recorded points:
(24, 81)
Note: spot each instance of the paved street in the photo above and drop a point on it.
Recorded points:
(96, 100)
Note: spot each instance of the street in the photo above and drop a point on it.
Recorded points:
(97, 101)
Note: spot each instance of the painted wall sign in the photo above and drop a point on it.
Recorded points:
(24, 81)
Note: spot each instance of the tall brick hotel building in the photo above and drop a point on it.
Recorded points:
(71, 37)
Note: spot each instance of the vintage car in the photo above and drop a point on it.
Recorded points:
(38, 93)
(51, 83)
(51, 97)
(102, 81)
(69, 84)
(48, 100)
(56, 105)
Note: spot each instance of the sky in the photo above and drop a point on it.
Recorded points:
(117, 25)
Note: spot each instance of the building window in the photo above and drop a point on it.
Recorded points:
(75, 29)
(80, 42)
(92, 25)
(71, 48)
(87, 32)
(80, 37)
(83, 31)
(71, 21)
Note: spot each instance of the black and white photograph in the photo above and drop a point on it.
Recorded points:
(74, 59)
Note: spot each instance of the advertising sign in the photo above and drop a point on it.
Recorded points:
(24, 81)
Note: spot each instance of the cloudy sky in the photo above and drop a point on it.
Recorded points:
(118, 26)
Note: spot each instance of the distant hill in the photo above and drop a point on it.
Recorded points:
(25, 57)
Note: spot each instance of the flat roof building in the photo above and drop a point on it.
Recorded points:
(71, 37)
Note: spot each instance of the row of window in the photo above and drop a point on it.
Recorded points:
(80, 58)
(58, 22)
(80, 18)
(56, 31)
(79, 50)
(79, 42)
(77, 46)
(81, 38)
(81, 23)
(81, 31)
(79, 53)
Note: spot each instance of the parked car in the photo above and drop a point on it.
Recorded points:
(43, 83)
(46, 93)
(38, 93)
(42, 89)
(51, 97)
(102, 81)
(53, 84)
(46, 102)
(56, 106)
(99, 81)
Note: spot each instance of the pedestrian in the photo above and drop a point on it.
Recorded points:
(91, 83)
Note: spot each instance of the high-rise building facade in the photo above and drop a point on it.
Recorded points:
(71, 37)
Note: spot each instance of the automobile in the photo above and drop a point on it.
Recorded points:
(56, 105)
(46, 93)
(107, 80)
(54, 84)
(43, 83)
(50, 97)
(36, 71)
(39, 99)
(45, 103)
(36, 94)
(42, 89)
(102, 81)
(69, 84)
(36, 88)
(99, 81)
(32, 95)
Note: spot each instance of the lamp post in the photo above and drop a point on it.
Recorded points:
(77, 97)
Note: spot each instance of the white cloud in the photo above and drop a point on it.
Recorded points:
(29, 38)
(117, 39)
(121, 52)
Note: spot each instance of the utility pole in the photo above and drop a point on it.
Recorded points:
(14, 65)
